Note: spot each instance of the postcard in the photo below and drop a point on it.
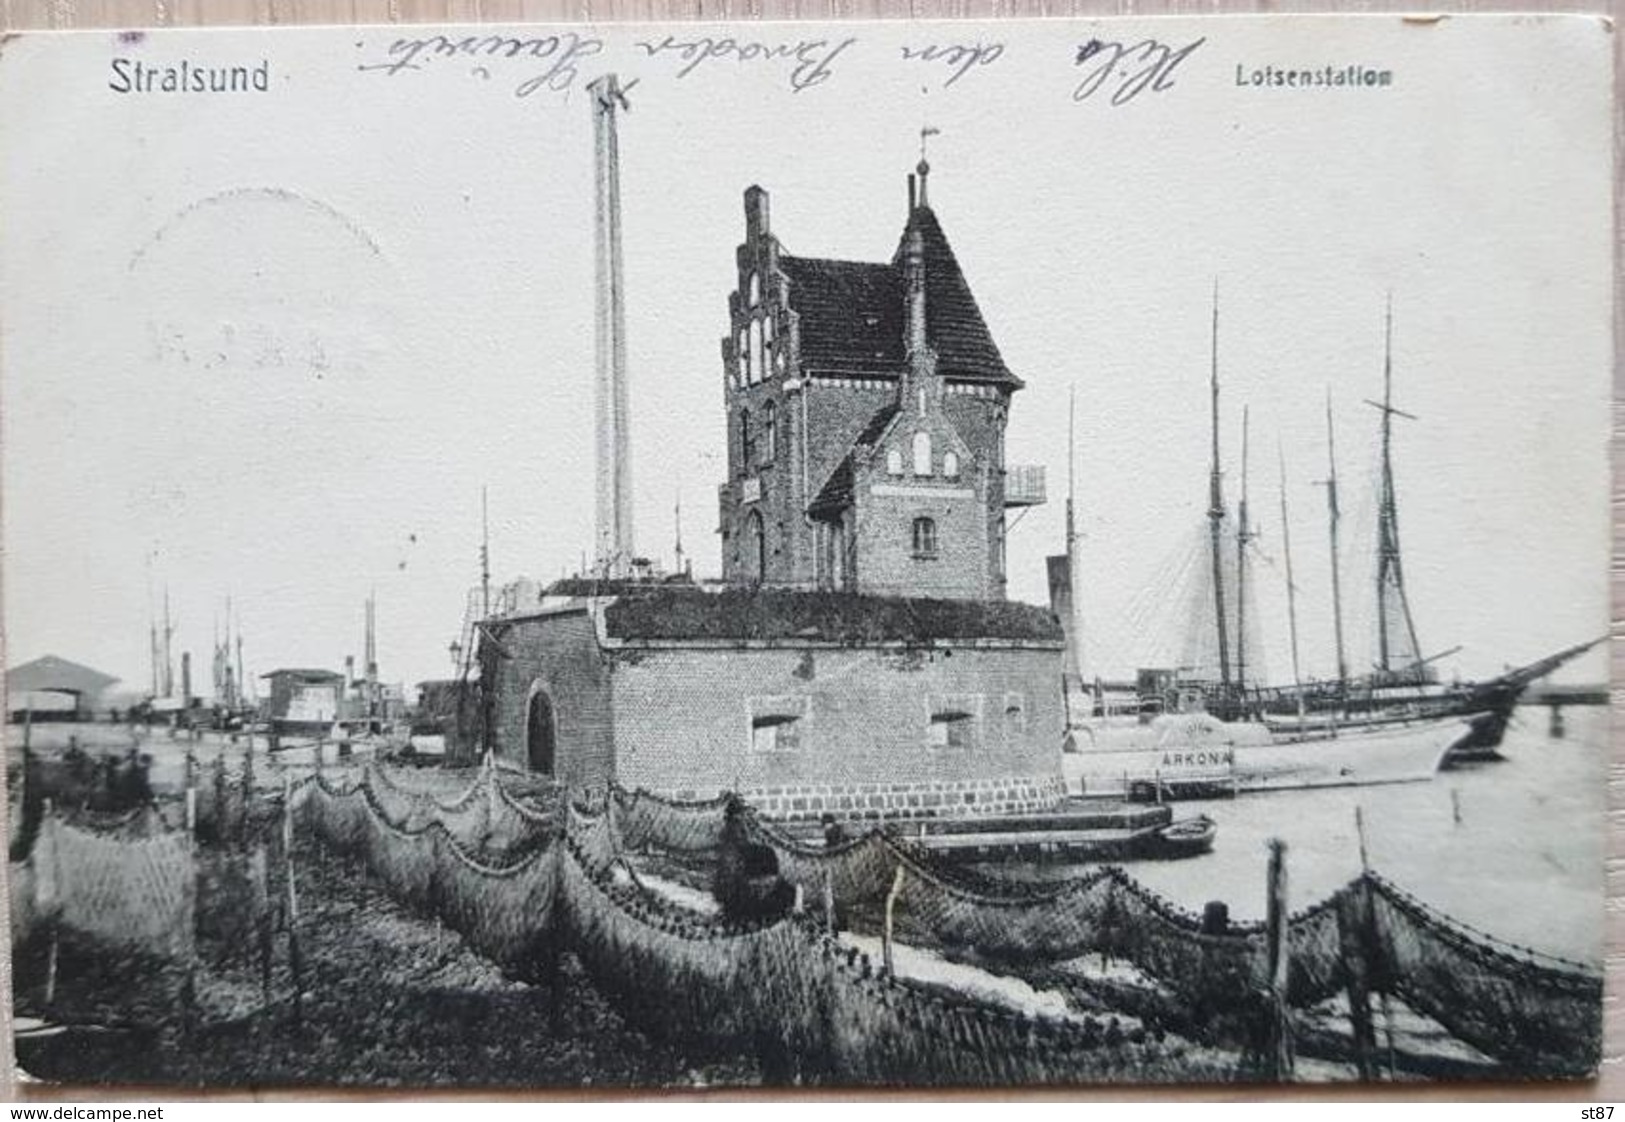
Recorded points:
(1036, 552)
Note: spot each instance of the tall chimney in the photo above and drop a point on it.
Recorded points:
(614, 448)
(186, 679)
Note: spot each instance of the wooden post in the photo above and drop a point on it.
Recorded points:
(1359, 832)
(250, 781)
(1279, 1057)
(829, 903)
(262, 925)
(28, 727)
(295, 963)
(47, 810)
(1353, 928)
(1455, 804)
(891, 904)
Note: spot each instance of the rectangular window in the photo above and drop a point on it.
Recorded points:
(1015, 714)
(956, 721)
(776, 723)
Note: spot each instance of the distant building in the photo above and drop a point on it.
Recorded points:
(303, 700)
(52, 688)
(867, 405)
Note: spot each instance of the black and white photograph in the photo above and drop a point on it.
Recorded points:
(921, 554)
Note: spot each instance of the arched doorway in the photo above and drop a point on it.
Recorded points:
(540, 733)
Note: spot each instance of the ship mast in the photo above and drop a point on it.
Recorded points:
(169, 660)
(1243, 536)
(1291, 588)
(1331, 509)
(1215, 511)
(1076, 650)
(1390, 576)
(485, 555)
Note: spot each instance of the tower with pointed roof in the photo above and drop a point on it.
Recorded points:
(866, 405)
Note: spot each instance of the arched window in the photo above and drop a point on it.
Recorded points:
(755, 289)
(770, 433)
(925, 537)
(758, 362)
(894, 462)
(747, 447)
(922, 453)
(756, 546)
(950, 464)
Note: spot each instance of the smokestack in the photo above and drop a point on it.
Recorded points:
(614, 505)
(186, 679)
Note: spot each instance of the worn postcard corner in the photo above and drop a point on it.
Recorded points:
(900, 553)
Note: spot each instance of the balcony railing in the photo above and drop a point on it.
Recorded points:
(1024, 485)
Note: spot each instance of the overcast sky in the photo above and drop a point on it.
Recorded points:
(271, 345)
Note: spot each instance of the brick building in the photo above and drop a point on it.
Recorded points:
(801, 702)
(867, 405)
(859, 656)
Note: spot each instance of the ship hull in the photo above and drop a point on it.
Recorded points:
(1215, 758)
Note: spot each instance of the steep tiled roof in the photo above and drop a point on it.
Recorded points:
(836, 492)
(852, 313)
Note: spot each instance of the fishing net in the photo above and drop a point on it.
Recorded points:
(506, 913)
(646, 821)
(1511, 1002)
(124, 893)
(21, 890)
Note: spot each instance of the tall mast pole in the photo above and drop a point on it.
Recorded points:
(1332, 511)
(1072, 532)
(614, 508)
(169, 662)
(677, 522)
(152, 630)
(1243, 536)
(485, 556)
(1291, 587)
(1389, 571)
(1215, 511)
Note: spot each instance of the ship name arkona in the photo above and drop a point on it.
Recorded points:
(1313, 77)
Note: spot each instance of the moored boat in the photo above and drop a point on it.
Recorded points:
(1195, 755)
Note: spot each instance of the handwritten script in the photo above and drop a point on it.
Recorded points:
(957, 58)
(812, 57)
(559, 57)
(1128, 70)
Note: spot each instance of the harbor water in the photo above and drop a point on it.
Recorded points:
(1514, 848)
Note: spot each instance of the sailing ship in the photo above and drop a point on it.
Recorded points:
(1402, 685)
(1204, 736)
